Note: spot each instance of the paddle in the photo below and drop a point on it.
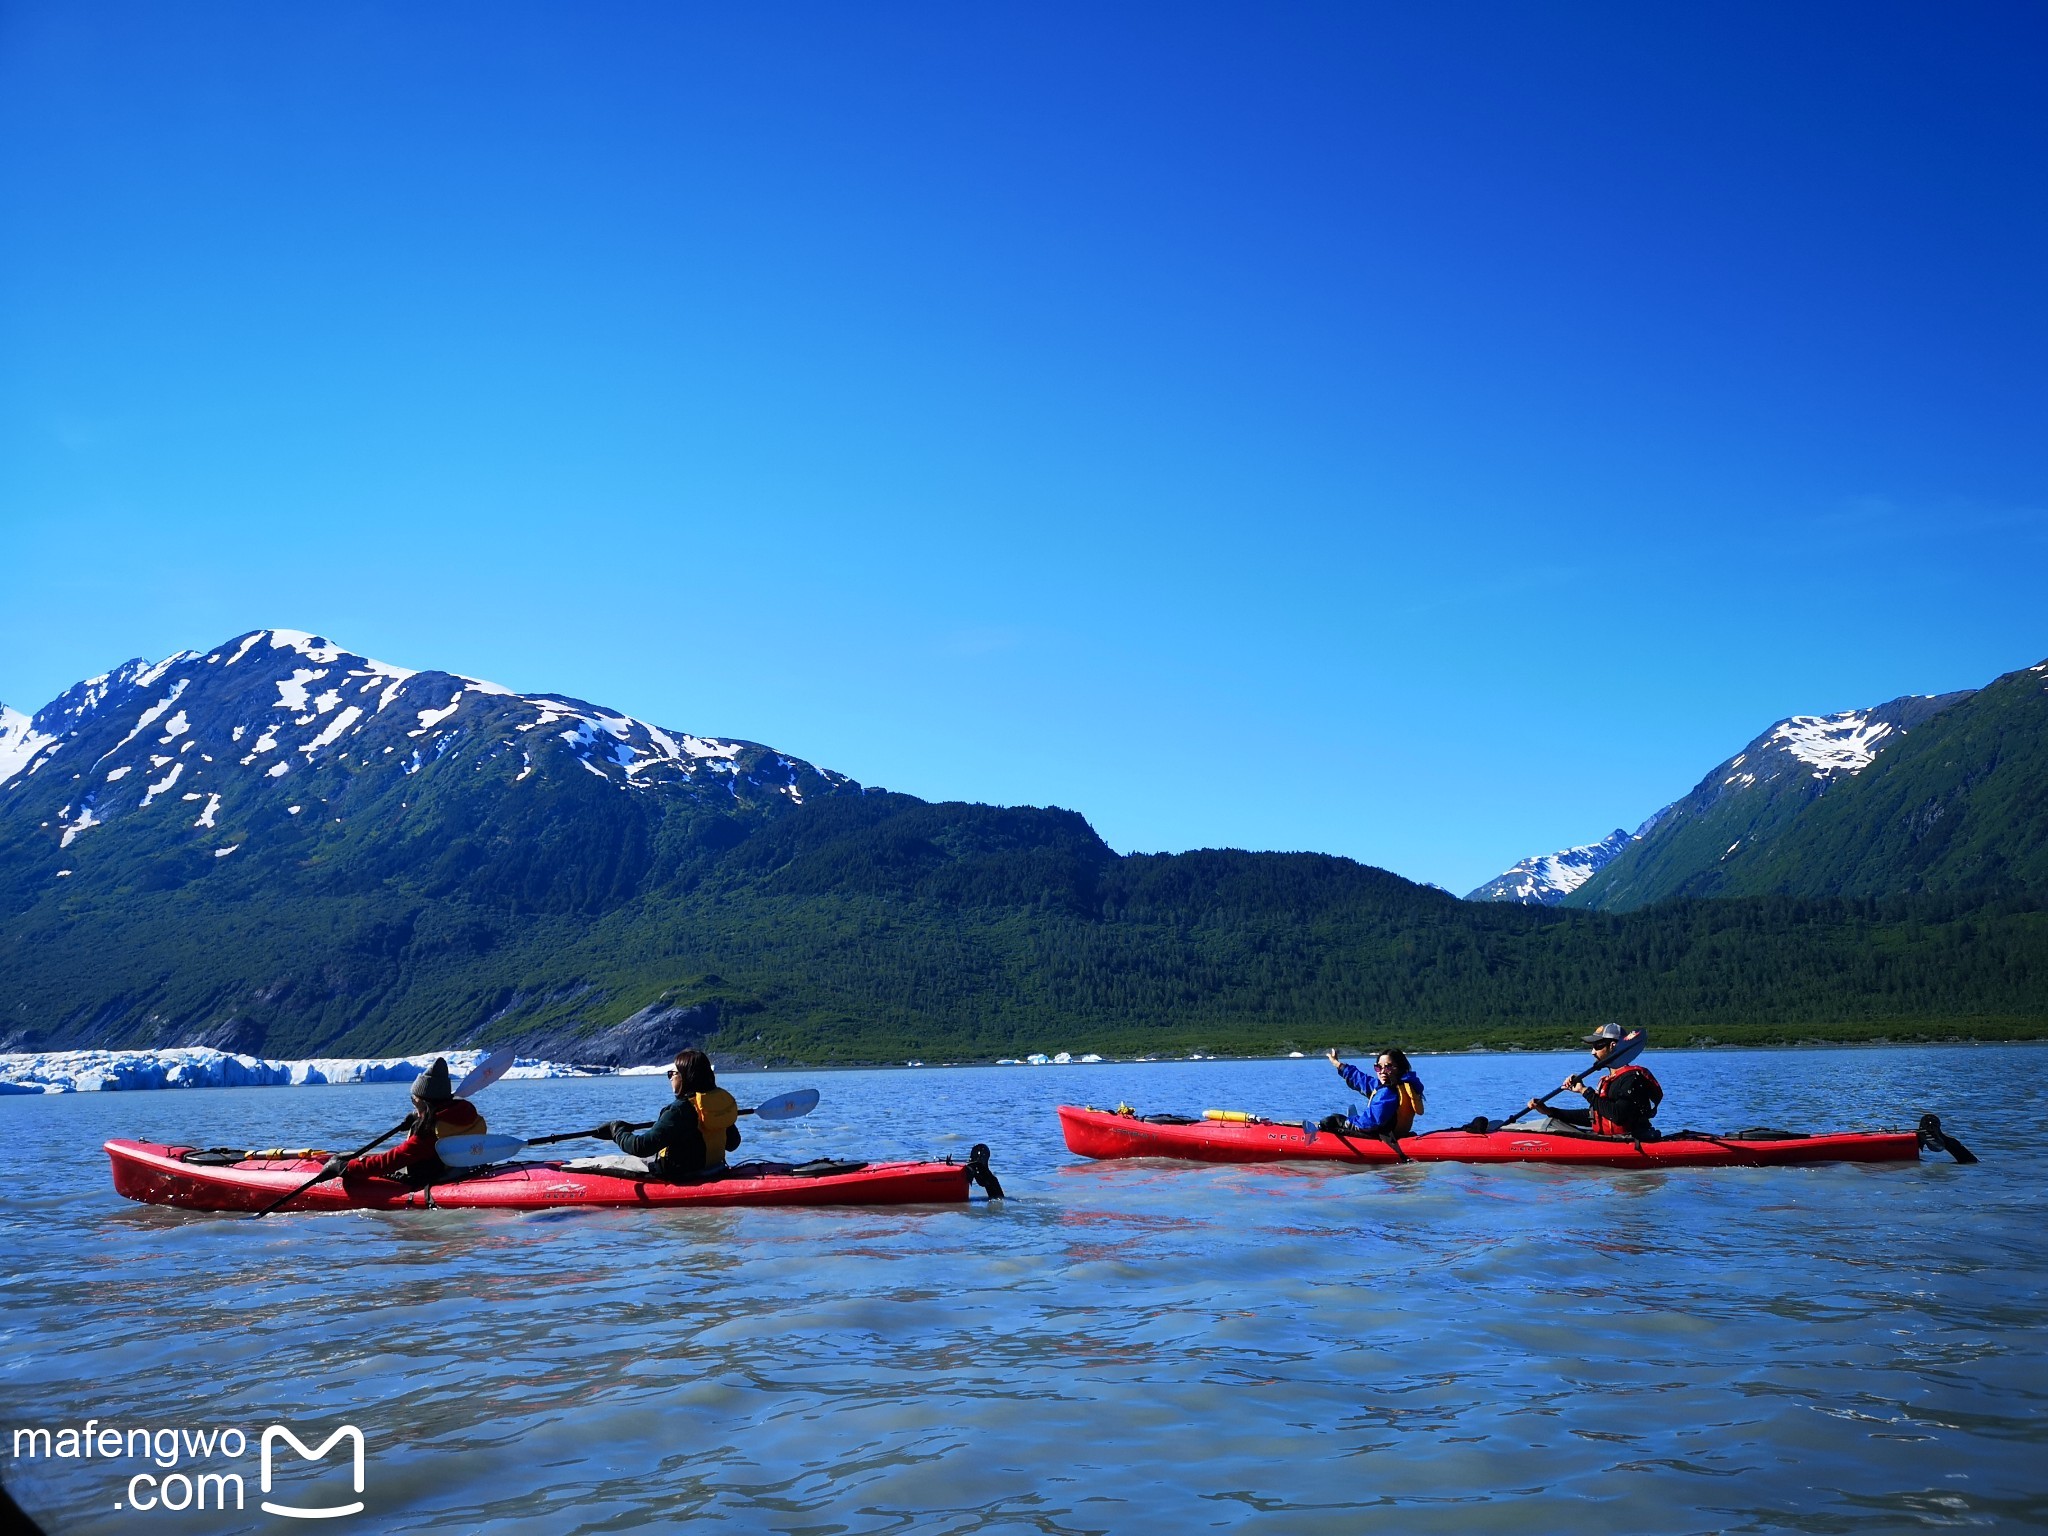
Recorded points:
(476, 1151)
(480, 1077)
(1628, 1050)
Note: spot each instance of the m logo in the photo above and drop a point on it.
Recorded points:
(278, 1432)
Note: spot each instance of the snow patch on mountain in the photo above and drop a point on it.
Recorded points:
(1832, 744)
(165, 783)
(1548, 878)
(151, 715)
(20, 741)
(336, 729)
(72, 828)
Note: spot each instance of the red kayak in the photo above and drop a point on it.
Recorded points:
(162, 1175)
(1099, 1133)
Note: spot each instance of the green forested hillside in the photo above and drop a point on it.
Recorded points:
(883, 928)
(1958, 808)
(214, 850)
(1708, 843)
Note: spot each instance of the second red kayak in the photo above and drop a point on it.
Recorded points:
(1100, 1133)
(161, 1175)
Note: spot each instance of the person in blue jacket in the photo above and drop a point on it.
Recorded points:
(1393, 1096)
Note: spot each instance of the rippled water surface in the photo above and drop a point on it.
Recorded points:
(1116, 1347)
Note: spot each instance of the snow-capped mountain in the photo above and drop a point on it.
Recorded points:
(227, 746)
(1546, 879)
(1750, 799)
(1747, 799)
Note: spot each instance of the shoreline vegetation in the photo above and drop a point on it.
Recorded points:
(91, 1071)
(1314, 951)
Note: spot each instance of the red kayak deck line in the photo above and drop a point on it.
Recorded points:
(1098, 1133)
(157, 1175)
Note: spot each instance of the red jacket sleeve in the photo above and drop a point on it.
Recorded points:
(397, 1162)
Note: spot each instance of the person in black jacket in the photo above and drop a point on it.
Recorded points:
(1622, 1105)
(694, 1130)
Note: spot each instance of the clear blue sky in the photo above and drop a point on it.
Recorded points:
(1430, 434)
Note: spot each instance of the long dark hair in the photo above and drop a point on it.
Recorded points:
(1399, 1059)
(693, 1072)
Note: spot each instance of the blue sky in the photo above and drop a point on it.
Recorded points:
(1432, 438)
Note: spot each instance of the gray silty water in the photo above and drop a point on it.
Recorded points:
(1116, 1347)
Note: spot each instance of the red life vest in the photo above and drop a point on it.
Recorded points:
(1650, 1091)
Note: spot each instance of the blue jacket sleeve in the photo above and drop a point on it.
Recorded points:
(1357, 1081)
(1379, 1109)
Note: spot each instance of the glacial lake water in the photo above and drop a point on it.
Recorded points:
(1134, 1347)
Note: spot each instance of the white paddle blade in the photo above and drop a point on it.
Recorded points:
(476, 1151)
(1627, 1049)
(485, 1073)
(789, 1105)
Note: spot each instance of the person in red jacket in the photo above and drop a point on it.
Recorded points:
(1623, 1104)
(436, 1113)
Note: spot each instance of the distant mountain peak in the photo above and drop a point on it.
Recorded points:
(221, 728)
(1547, 878)
(1696, 845)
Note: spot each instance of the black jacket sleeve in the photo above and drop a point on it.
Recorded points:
(675, 1135)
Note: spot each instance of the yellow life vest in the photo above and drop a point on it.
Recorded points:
(717, 1113)
(1407, 1107)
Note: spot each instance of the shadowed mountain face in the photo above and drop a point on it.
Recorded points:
(281, 846)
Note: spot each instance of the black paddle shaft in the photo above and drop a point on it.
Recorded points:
(625, 1125)
(366, 1148)
(594, 1134)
